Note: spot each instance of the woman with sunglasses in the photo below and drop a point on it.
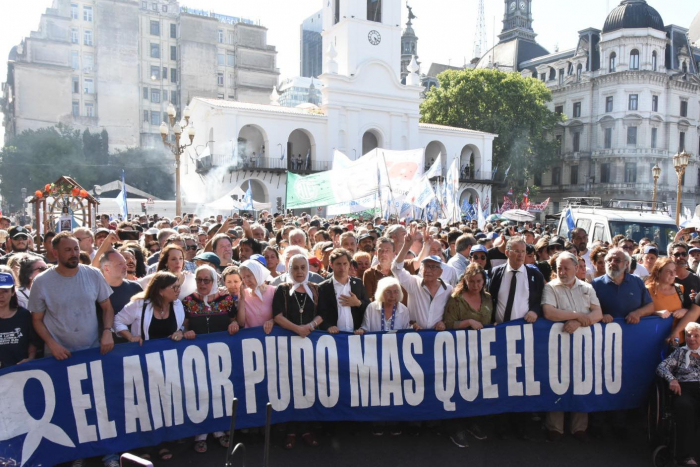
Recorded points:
(30, 266)
(155, 313)
(208, 310)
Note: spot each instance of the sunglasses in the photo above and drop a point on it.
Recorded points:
(479, 257)
(556, 248)
(191, 247)
(200, 280)
(682, 254)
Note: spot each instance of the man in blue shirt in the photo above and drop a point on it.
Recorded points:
(621, 294)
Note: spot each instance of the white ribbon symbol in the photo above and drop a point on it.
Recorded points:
(16, 420)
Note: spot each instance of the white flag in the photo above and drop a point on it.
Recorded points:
(436, 169)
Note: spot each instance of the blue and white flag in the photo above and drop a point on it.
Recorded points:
(436, 169)
(570, 223)
(451, 188)
(248, 199)
(481, 219)
(121, 200)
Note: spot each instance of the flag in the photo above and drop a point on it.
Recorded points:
(248, 199)
(493, 174)
(121, 199)
(421, 193)
(570, 223)
(481, 219)
(282, 158)
(539, 207)
(436, 169)
(526, 199)
(451, 188)
(308, 159)
(507, 170)
(487, 206)
(510, 192)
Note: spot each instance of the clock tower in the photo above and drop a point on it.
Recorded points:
(517, 21)
(360, 31)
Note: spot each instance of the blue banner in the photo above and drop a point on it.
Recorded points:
(54, 411)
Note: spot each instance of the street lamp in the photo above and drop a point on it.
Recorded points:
(680, 162)
(178, 128)
(656, 172)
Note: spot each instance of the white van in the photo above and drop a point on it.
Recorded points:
(633, 219)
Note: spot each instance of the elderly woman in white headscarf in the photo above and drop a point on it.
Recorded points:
(386, 313)
(295, 302)
(682, 371)
(255, 299)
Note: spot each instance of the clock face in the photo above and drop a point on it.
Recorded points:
(512, 6)
(522, 6)
(374, 37)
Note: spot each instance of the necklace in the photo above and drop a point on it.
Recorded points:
(393, 317)
(303, 304)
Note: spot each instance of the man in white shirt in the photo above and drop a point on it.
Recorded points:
(579, 237)
(342, 299)
(427, 295)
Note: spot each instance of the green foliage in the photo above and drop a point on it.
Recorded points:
(36, 157)
(506, 104)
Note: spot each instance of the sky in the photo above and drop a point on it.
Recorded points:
(445, 28)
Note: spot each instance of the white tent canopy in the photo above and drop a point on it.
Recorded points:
(226, 203)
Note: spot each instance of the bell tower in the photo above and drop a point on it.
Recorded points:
(358, 31)
(517, 21)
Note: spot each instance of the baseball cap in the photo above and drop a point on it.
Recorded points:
(17, 231)
(434, 258)
(477, 249)
(557, 241)
(101, 230)
(363, 236)
(209, 257)
(152, 231)
(260, 259)
(315, 262)
(6, 280)
(350, 227)
(692, 250)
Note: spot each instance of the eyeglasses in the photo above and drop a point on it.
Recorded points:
(680, 254)
(628, 248)
(432, 266)
(479, 257)
(200, 280)
(191, 247)
(175, 287)
(41, 269)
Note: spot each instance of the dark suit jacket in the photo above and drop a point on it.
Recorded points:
(328, 305)
(535, 280)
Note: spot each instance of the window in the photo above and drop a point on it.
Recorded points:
(608, 138)
(684, 108)
(561, 76)
(654, 61)
(155, 50)
(634, 60)
(173, 53)
(76, 109)
(173, 75)
(609, 104)
(579, 70)
(220, 79)
(230, 60)
(74, 10)
(552, 74)
(598, 233)
(164, 8)
(89, 109)
(165, 73)
(145, 93)
(155, 73)
(155, 96)
(221, 36)
(173, 97)
(76, 85)
(220, 59)
(681, 141)
(559, 109)
(654, 132)
(577, 141)
(538, 179)
(230, 37)
(654, 103)
(630, 172)
(558, 150)
(75, 60)
(154, 6)
(87, 14)
(144, 5)
(88, 86)
(155, 28)
(577, 109)
(632, 136)
(74, 36)
(556, 176)
(684, 68)
(374, 10)
(173, 31)
(605, 173)
(634, 102)
(574, 175)
(155, 118)
(543, 77)
(146, 118)
(87, 38)
(613, 62)
(88, 62)
(336, 12)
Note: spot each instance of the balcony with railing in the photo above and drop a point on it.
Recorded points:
(476, 176)
(269, 164)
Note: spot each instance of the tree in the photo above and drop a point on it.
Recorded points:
(513, 107)
(36, 157)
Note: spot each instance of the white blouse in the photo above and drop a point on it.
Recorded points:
(372, 321)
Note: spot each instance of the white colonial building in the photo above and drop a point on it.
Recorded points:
(364, 106)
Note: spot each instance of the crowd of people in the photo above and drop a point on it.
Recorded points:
(150, 278)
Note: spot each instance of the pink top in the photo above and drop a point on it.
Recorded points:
(256, 311)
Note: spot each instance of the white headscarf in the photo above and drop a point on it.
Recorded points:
(687, 355)
(305, 282)
(259, 271)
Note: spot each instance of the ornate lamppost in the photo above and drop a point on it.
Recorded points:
(178, 128)
(680, 162)
(656, 172)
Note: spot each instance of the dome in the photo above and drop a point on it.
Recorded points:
(633, 14)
